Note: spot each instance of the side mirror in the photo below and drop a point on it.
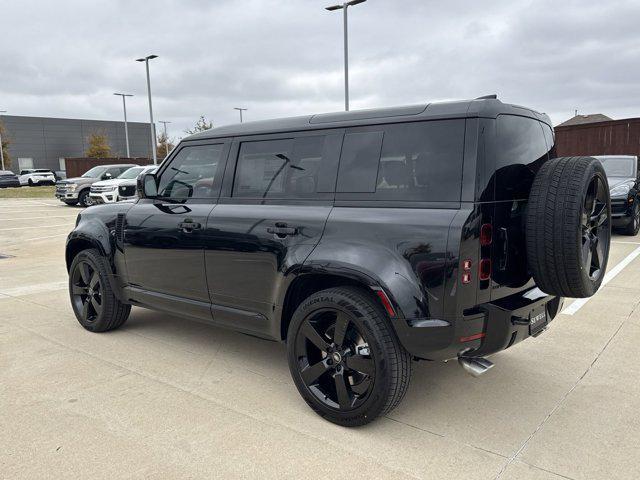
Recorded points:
(147, 186)
(106, 176)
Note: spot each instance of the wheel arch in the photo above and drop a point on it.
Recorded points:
(311, 281)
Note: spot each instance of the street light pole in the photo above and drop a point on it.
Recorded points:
(344, 8)
(153, 128)
(166, 139)
(1, 149)
(126, 127)
(240, 110)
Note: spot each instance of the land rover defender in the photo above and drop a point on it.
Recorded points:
(364, 240)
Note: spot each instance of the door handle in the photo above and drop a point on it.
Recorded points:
(281, 230)
(188, 227)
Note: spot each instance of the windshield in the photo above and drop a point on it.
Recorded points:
(95, 172)
(619, 166)
(133, 172)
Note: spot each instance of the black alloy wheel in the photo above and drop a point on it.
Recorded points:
(596, 231)
(345, 357)
(335, 360)
(568, 227)
(86, 291)
(93, 301)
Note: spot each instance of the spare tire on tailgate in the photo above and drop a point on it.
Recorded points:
(568, 226)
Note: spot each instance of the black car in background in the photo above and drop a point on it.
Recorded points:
(8, 179)
(623, 178)
(364, 240)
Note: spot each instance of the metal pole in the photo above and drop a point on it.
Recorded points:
(240, 110)
(344, 6)
(126, 127)
(153, 129)
(346, 60)
(166, 138)
(1, 149)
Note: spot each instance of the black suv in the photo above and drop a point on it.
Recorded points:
(624, 188)
(364, 240)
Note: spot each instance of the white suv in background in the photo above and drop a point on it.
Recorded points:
(37, 176)
(120, 188)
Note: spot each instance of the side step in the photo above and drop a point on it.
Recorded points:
(475, 366)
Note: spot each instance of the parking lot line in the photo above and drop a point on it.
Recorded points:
(37, 226)
(627, 242)
(37, 218)
(610, 275)
(33, 239)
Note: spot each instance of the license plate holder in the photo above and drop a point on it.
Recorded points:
(538, 320)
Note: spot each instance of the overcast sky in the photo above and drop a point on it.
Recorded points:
(283, 58)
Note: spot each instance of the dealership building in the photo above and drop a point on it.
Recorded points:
(43, 142)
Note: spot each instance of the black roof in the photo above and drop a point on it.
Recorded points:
(483, 107)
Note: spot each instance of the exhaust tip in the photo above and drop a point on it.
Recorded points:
(475, 366)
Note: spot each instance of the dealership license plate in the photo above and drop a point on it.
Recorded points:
(537, 320)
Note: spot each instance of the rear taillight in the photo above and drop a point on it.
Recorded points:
(485, 269)
(486, 234)
(466, 271)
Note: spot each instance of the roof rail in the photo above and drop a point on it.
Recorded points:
(493, 96)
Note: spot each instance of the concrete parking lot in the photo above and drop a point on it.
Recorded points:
(165, 397)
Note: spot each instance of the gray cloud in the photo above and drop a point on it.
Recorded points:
(281, 58)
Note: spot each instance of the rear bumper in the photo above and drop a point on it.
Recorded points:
(486, 329)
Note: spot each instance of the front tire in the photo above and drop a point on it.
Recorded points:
(84, 199)
(634, 224)
(92, 299)
(345, 358)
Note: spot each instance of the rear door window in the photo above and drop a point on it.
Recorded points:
(293, 168)
(420, 161)
(521, 151)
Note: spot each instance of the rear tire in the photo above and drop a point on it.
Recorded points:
(92, 299)
(568, 227)
(30, 182)
(345, 358)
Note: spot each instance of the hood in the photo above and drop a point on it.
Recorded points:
(78, 180)
(114, 182)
